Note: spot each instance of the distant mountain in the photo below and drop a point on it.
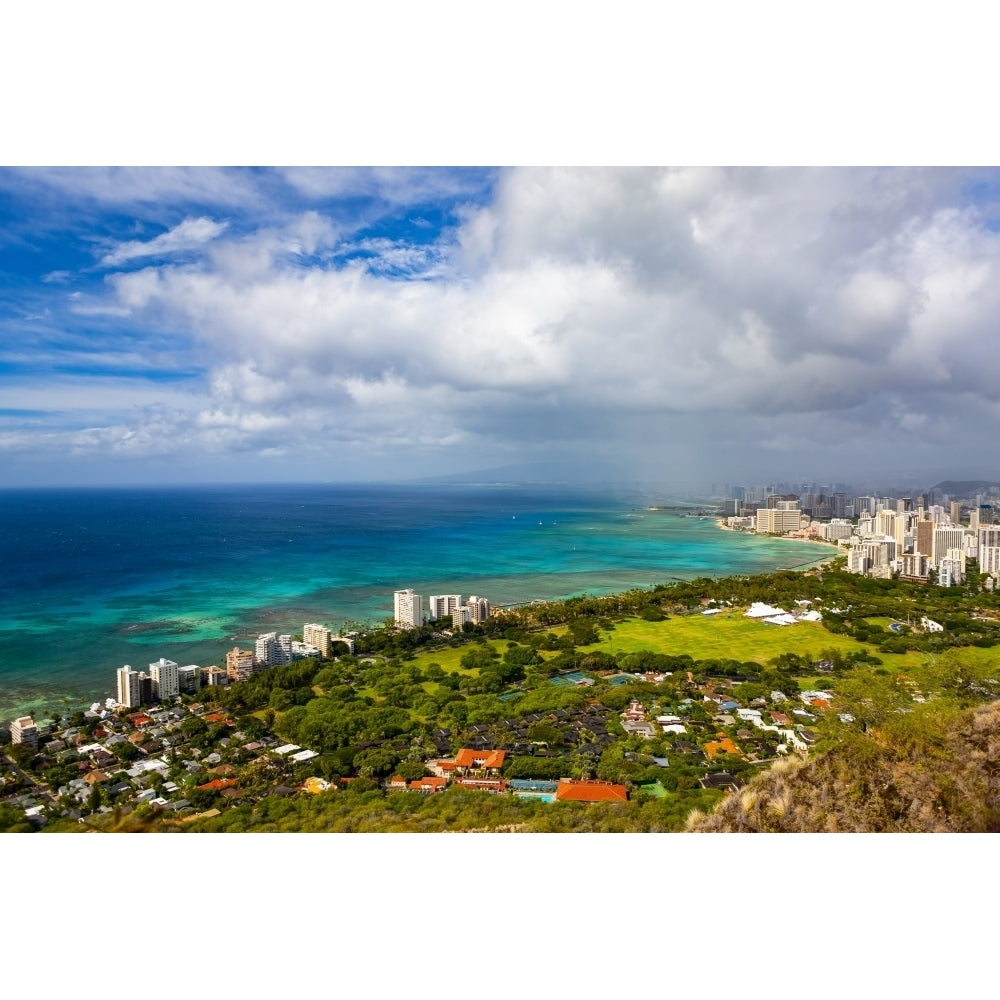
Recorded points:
(964, 487)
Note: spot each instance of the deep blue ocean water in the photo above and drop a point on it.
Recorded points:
(91, 579)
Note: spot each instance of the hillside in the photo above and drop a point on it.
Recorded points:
(937, 774)
(965, 487)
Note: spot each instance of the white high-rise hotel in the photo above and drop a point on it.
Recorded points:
(166, 682)
(408, 608)
(129, 687)
(441, 605)
(475, 610)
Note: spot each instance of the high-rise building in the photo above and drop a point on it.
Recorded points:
(989, 550)
(880, 551)
(780, 519)
(885, 522)
(914, 566)
(266, 649)
(924, 540)
(865, 505)
(214, 676)
(25, 731)
(944, 539)
(129, 687)
(239, 663)
(163, 674)
(836, 529)
(408, 608)
(956, 512)
(479, 608)
(189, 678)
(285, 654)
(318, 636)
(442, 605)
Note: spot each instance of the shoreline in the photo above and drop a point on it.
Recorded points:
(70, 682)
(800, 567)
(42, 702)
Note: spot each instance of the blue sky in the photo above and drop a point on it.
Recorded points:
(687, 325)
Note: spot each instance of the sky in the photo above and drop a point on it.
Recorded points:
(659, 324)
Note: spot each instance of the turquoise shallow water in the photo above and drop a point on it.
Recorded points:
(93, 578)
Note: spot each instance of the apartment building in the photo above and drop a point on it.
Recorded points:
(189, 678)
(408, 608)
(166, 683)
(239, 663)
(25, 731)
(318, 636)
(778, 520)
(129, 687)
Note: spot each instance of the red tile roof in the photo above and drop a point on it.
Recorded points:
(428, 784)
(590, 791)
(217, 784)
(488, 758)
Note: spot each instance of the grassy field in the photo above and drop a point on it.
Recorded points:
(729, 636)
(732, 636)
(448, 657)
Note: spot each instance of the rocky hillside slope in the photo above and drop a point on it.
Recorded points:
(939, 772)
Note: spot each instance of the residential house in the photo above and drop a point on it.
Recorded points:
(428, 786)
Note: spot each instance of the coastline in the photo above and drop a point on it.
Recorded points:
(720, 522)
(130, 576)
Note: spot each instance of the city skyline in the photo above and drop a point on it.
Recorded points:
(367, 324)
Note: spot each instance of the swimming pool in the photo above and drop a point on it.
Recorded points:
(540, 796)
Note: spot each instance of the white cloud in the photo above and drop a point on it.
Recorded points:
(396, 185)
(619, 309)
(146, 185)
(191, 234)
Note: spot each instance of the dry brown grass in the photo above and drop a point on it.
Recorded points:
(889, 780)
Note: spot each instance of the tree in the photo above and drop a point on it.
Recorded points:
(125, 751)
(13, 820)
(479, 658)
(192, 726)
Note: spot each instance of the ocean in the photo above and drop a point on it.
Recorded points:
(91, 579)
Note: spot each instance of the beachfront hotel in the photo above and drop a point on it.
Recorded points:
(475, 610)
(318, 636)
(408, 608)
(442, 605)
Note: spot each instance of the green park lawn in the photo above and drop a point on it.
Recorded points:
(729, 636)
(732, 636)
(448, 657)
